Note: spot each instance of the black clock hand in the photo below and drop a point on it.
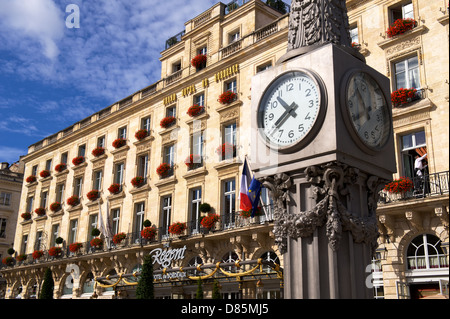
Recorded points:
(287, 107)
(283, 118)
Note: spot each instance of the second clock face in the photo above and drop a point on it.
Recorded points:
(289, 109)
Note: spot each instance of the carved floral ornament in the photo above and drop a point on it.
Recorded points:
(330, 184)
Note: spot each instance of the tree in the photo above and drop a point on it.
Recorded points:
(278, 5)
(216, 290)
(47, 286)
(145, 288)
(199, 294)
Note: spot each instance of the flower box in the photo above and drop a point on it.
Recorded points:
(195, 110)
(227, 97)
(98, 151)
(356, 45)
(137, 181)
(31, 179)
(8, 261)
(78, 160)
(168, 121)
(37, 254)
(177, 228)
(193, 161)
(40, 211)
(56, 206)
(44, 174)
(248, 213)
(401, 26)
(73, 200)
(199, 62)
(209, 221)
(60, 167)
(75, 247)
(117, 239)
(22, 257)
(115, 189)
(96, 243)
(26, 216)
(400, 186)
(149, 232)
(403, 96)
(163, 170)
(141, 134)
(55, 251)
(226, 150)
(118, 143)
(93, 195)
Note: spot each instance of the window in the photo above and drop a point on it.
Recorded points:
(60, 192)
(169, 155)
(231, 86)
(425, 252)
(34, 170)
(101, 142)
(407, 73)
(44, 199)
(30, 203)
(73, 231)
(229, 203)
(264, 67)
(411, 144)
(176, 66)
(203, 50)
(55, 234)
(2, 228)
(234, 36)
(98, 176)
(197, 149)
(115, 213)
(402, 11)
(199, 99)
(78, 186)
(23, 247)
(122, 132)
(48, 165)
(166, 215)
(171, 111)
(82, 150)
(93, 222)
(196, 200)
(354, 34)
(145, 123)
(38, 245)
(118, 173)
(139, 209)
(229, 137)
(5, 199)
(64, 157)
(142, 166)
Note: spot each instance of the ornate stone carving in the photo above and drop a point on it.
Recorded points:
(317, 22)
(330, 183)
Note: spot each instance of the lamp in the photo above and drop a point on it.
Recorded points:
(382, 251)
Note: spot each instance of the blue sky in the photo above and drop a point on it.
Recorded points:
(52, 76)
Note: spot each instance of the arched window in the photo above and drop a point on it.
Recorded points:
(272, 257)
(425, 252)
(88, 286)
(230, 257)
(194, 262)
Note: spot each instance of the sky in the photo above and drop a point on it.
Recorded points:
(54, 74)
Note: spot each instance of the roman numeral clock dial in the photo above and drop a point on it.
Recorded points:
(289, 109)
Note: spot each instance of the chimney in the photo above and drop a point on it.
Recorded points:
(4, 165)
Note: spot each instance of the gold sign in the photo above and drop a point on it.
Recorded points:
(170, 99)
(188, 91)
(226, 73)
(205, 83)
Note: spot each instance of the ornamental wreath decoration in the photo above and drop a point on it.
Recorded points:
(93, 195)
(37, 254)
(149, 232)
(141, 134)
(163, 169)
(73, 200)
(114, 188)
(75, 247)
(403, 96)
(167, 121)
(209, 221)
(31, 179)
(399, 186)
(119, 237)
(227, 97)
(61, 167)
(45, 173)
(78, 160)
(177, 228)
(118, 143)
(137, 181)
(195, 110)
(199, 61)
(98, 151)
(55, 251)
(400, 26)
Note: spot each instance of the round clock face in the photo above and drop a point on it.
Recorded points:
(289, 109)
(368, 110)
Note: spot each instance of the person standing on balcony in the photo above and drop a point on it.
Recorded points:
(419, 165)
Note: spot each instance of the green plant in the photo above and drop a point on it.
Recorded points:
(216, 290)
(199, 294)
(145, 288)
(147, 223)
(95, 232)
(47, 286)
(205, 208)
(11, 251)
(59, 241)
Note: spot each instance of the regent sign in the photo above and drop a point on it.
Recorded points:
(166, 256)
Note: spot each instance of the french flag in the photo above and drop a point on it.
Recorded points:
(245, 201)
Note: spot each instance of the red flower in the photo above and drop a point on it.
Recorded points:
(193, 161)
(114, 188)
(401, 185)
(55, 207)
(248, 213)
(400, 26)
(60, 167)
(93, 195)
(119, 237)
(195, 110)
(8, 261)
(40, 211)
(226, 150)
(141, 134)
(149, 232)
(73, 200)
(55, 251)
(118, 143)
(177, 228)
(163, 169)
(22, 257)
(98, 151)
(209, 221)
(227, 97)
(38, 254)
(31, 179)
(199, 61)
(167, 121)
(137, 181)
(402, 96)
(45, 173)
(26, 216)
(75, 247)
(96, 242)
(78, 160)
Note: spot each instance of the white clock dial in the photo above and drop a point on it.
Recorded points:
(289, 109)
(368, 110)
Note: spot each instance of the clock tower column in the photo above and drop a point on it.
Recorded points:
(322, 143)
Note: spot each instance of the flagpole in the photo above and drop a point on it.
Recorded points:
(260, 197)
